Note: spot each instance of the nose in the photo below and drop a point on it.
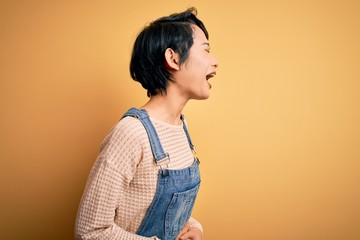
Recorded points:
(215, 62)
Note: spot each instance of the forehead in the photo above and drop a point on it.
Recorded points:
(199, 35)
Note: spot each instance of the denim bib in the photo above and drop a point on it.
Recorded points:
(176, 189)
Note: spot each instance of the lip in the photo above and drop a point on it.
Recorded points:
(210, 75)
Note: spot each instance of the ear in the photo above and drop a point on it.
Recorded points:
(172, 59)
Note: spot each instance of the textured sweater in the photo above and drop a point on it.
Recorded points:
(123, 180)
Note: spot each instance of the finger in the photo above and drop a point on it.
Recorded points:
(185, 236)
(192, 234)
(186, 225)
(185, 228)
(188, 235)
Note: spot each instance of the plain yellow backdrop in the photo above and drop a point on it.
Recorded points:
(278, 140)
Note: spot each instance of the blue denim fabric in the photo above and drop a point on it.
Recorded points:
(143, 116)
(176, 190)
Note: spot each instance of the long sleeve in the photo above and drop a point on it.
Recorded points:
(106, 186)
(194, 223)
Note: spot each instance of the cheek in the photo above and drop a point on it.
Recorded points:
(200, 62)
(196, 65)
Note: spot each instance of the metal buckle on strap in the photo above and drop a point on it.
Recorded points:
(164, 165)
(193, 149)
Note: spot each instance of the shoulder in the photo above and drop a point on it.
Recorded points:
(129, 124)
(128, 130)
(124, 144)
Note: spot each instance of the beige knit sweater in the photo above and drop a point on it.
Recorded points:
(122, 182)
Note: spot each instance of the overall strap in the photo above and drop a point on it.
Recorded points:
(193, 149)
(187, 134)
(155, 144)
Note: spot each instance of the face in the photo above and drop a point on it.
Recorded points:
(192, 78)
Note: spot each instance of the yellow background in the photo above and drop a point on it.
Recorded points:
(278, 140)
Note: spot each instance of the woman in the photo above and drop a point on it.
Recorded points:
(145, 180)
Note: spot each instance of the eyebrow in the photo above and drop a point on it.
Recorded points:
(206, 44)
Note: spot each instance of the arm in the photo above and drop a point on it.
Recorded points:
(109, 178)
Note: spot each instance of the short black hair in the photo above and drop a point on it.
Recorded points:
(147, 65)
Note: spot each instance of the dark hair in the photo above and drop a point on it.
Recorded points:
(147, 65)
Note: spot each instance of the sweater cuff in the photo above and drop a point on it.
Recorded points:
(194, 223)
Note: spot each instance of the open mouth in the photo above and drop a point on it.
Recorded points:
(210, 75)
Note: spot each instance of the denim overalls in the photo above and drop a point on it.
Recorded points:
(176, 189)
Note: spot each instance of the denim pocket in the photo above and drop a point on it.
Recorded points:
(179, 211)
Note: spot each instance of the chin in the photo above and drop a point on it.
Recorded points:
(206, 97)
(203, 97)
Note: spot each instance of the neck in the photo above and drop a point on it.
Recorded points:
(166, 108)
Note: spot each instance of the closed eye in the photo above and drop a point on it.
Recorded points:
(207, 46)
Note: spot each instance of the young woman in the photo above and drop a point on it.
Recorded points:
(145, 180)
